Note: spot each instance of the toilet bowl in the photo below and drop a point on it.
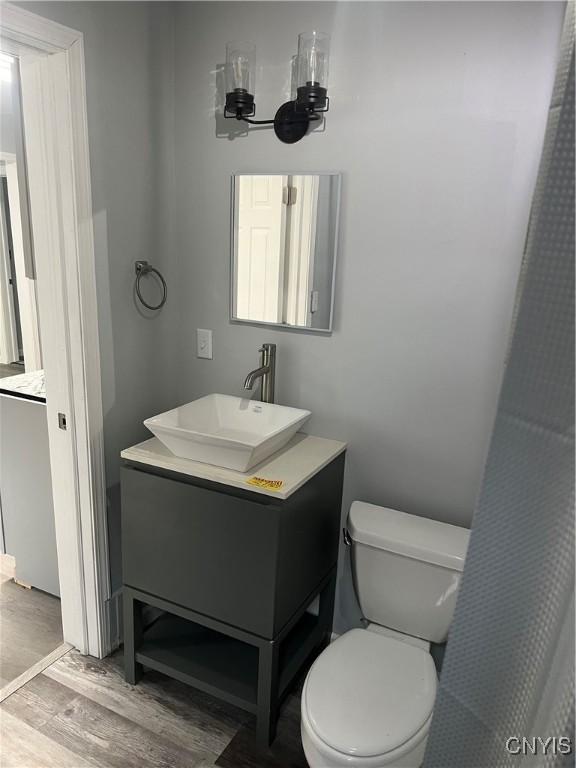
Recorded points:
(368, 698)
(367, 702)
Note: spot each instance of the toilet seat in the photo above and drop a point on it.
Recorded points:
(369, 698)
(320, 755)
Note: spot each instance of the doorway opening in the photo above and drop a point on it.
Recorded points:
(30, 611)
(48, 174)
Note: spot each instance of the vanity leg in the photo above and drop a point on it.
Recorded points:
(267, 709)
(326, 610)
(132, 637)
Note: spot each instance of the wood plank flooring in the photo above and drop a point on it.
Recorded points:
(30, 624)
(286, 751)
(35, 669)
(80, 712)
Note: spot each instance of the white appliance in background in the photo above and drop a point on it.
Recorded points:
(367, 700)
(26, 506)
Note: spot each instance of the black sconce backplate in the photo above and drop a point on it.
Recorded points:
(290, 125)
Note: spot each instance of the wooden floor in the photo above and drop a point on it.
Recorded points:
(30, 624)
(80, 712)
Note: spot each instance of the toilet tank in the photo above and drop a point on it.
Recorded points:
(406, 569)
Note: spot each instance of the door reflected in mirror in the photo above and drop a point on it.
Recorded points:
(284, 241)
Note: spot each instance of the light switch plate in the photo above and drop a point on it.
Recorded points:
(204, 343)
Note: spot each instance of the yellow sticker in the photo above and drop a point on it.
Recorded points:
(269, 485)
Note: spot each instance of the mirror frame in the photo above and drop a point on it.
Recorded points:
(233, 246)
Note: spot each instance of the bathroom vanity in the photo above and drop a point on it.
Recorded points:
(241, 565)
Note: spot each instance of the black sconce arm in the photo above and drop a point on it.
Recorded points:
(251, 121)
(305, 118)
(290, 122)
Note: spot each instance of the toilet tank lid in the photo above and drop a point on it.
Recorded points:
(417, 537)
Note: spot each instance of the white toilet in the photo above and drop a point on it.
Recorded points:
(367, 700)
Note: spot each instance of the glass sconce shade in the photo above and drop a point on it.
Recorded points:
(240, 75)
(313, 54)
(240, 67)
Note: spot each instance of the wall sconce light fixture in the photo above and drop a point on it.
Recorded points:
(293, 118)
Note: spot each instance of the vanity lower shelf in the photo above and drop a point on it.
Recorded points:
(246, 670)
(208, 660)
(218, 664)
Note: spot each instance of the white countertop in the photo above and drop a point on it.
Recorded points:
(30, 385)
(302, 458)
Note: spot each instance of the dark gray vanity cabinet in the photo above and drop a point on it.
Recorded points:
(233, 572)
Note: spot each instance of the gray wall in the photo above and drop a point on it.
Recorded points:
(437, 119)
(7, 107)
(129, 58)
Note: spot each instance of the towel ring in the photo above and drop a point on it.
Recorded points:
(143, 268)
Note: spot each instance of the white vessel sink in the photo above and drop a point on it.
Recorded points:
(227, 431)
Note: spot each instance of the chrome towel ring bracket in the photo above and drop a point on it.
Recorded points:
(143, 268)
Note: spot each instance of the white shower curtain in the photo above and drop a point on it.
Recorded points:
(508, 674)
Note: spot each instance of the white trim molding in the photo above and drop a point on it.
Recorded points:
(51, 61)
(26, 32)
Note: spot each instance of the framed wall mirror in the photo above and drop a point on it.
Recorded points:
(284, 243)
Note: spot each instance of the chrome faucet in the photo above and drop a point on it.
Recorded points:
(266, 372)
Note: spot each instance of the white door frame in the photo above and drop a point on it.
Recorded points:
(301, 246)
(51, 59)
